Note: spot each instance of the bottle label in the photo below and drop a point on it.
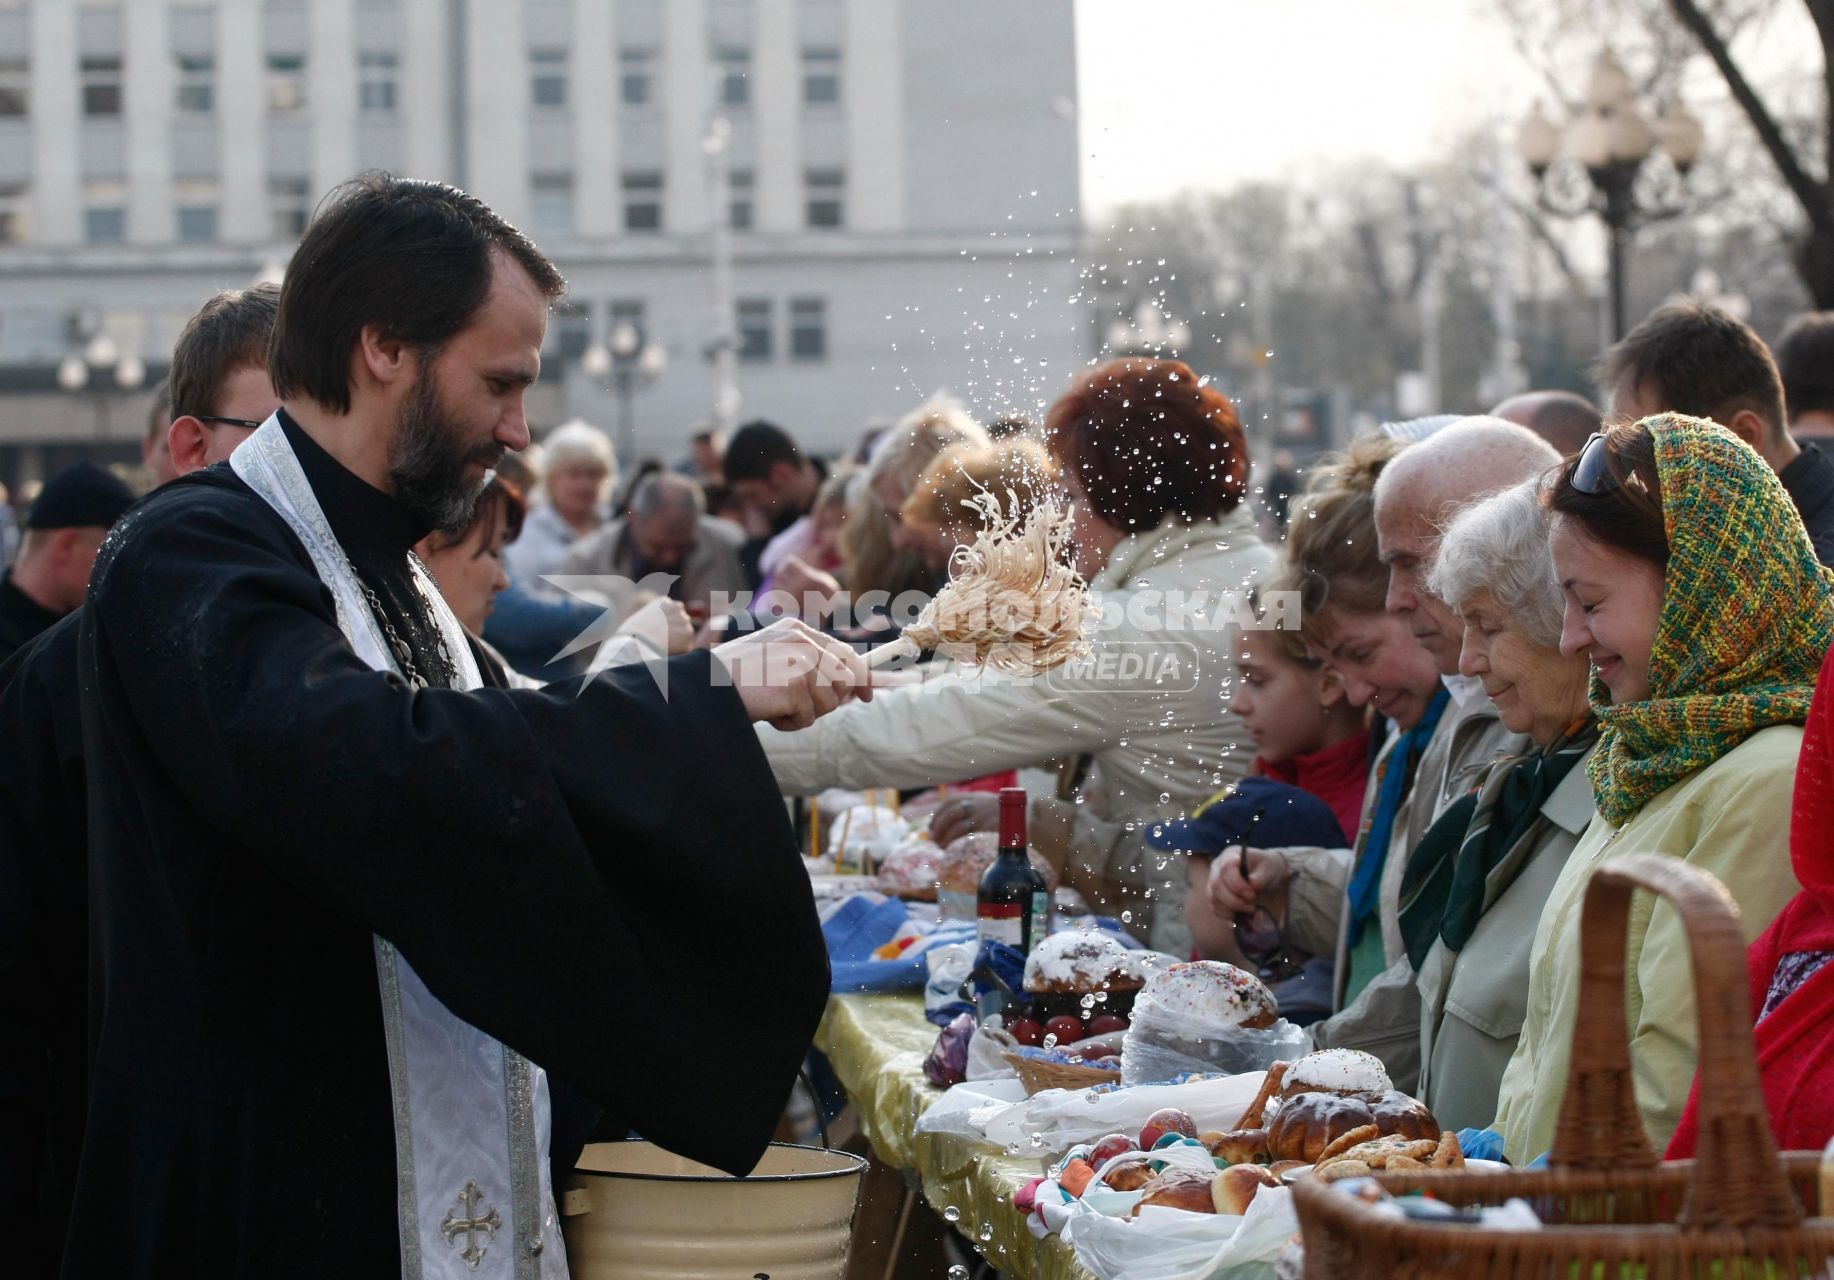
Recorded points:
(1041, 917)
(1001, 922)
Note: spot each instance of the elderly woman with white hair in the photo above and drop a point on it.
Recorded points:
(1477, 881)
(581, 470)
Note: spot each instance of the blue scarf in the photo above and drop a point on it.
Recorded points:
(1397, 774)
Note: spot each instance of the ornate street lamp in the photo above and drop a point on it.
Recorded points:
(631, 362)
(99, 356)
(1613, 160)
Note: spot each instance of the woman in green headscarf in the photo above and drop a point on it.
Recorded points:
(1690, 584)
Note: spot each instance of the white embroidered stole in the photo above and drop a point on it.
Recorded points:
(472, 1118)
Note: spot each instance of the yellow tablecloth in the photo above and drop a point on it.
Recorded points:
(877, 1046)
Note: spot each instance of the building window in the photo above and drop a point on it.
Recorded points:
(376, 81)
(289, 207)
(552, 204)
(821, 77)
(101, 86)
(14, 205)
(105, 224)
(197, 223)
(15, 78)
(808, 329)
(643, 201)
(744, 183)
(571, 332)
(824, 189)
(197, 93)
(754, 325)
(286, 82)
(548, 77)
(734, 67)
(637, 77)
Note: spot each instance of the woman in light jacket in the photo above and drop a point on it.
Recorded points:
(1690, 584)
(1156, 466)
(1475, 885)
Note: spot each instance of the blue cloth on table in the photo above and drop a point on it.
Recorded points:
(861, 924)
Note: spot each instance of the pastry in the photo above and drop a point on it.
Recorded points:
(910, 871)
(1308, 1123)
(1187, 1189)
(1241, 1146)
(1129, 1177)
(1234, 1189)
(865, 835)
(1382, 1153)
(962, 864)
(1078, 962)
(1336, 1071)
(1214, 993)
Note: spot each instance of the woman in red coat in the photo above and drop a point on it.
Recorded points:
(1792, 981)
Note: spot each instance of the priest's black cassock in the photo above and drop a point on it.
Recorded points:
(43, 944)
(603, 879)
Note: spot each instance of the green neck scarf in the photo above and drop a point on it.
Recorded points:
(1747, 616)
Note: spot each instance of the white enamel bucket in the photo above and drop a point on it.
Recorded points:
(636, 1212)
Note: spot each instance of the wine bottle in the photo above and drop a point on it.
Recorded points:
(1014, 904)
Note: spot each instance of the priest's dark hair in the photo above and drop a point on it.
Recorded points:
(230, 331)
(410, 257)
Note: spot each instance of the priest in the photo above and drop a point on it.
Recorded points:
(362, 915)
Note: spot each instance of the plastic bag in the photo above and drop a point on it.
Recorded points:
(949, 967)
(948, 1061)
(1162, 1045)
(1049, 1122)
(1171, 1244)
(986, 1060)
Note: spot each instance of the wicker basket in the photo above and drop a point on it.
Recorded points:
(1037, 1075)
(1611, 1210)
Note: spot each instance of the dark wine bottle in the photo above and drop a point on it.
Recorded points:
(1014, 904)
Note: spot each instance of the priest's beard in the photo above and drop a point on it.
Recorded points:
(427, 463)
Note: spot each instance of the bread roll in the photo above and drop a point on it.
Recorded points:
(1234, 1189)
(1187, 1189)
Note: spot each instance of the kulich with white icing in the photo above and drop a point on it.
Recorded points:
(870, 833)
(1218, 993)
(910, 870)
(1081, 960)
(1336, 1071)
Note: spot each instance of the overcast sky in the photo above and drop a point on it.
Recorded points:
(1206, 93)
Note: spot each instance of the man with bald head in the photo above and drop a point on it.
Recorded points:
(1565, 419)
(1416, 495)
(668, 532)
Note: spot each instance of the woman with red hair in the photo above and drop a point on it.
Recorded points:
(1153, 460)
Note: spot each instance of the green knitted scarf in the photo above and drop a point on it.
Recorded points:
(1747, 616)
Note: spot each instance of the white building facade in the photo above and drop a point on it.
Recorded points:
(900, 182)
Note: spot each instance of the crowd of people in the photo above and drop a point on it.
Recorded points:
(306, 802)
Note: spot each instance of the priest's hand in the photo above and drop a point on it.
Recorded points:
(790, 675)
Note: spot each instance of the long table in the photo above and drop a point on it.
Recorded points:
(876, 1045)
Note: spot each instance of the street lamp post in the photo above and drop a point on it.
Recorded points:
(1612, 143)
(100, 355)
(631, 362)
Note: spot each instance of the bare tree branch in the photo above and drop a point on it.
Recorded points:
(1537, 226)
(1811, 194)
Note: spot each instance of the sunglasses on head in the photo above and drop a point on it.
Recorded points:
(1591, 473)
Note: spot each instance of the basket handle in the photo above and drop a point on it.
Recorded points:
(1737, 1178)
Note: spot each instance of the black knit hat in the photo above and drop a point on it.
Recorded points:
(80, 496)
